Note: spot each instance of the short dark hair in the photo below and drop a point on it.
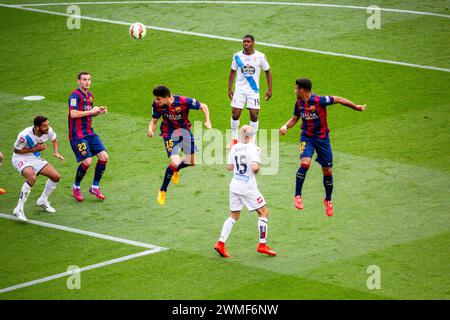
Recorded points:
(38, 120)
(82, 73)
(249, 36)
(304, 84)
(161, 91)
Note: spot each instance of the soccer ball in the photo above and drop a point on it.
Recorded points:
(137, 31)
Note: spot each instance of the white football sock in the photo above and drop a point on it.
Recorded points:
(254, 125)
(24, 193)
(235, 128)
(263, 228)
(226, 229)
(49, 187)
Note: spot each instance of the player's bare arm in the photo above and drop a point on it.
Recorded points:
(230, 83)
(56, 150)
(205, 111)
(230, 167)
(269, 85)
(292, 122)
(151, 127)
(95, 111)
(348, 103)
(36, 148)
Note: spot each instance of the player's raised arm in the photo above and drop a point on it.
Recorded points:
(348, 103)
(205, 111)
(292, 122)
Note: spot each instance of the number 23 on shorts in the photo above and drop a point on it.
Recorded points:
(82, 146)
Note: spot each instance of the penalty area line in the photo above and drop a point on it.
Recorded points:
(86, 233)
(87, 268)
(205, 35)
(151, 249)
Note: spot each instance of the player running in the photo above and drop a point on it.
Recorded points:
(84, 141)
(244, 159)
(314, 136)
(248, 64)
(175, 131)
(27, 160)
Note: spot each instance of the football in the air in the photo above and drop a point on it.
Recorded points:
(137, 31)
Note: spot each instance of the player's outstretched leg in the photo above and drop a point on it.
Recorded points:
(300, 179)
(263, 228)
(30, 178)
(328, 184)
(53, 179)
(161, 199)
(226, 230)
(99, 170)
(81, 172)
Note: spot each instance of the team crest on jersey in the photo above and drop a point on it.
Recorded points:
(177, 109)
(21, 140)
(248, 70)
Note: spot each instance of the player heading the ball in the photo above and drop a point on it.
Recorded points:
(176, 132)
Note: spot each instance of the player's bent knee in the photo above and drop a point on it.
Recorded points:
(87, 162)
(305, 164)
(31, 179)
(327, 171)
(103, 156)
(56, 177)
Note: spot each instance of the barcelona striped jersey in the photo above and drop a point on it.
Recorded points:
(80, 128)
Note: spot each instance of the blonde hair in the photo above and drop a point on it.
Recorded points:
(246, 132)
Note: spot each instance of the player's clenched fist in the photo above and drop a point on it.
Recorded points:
(40, 147)
(150, 134)
(283, 130)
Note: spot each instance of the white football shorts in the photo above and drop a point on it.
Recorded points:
(21, 163)
(241, 99)
(252, 201)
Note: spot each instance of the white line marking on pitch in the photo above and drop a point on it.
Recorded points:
(153, 249)
(204, 35)
(87, 233)
(302, 4)
(90, 267)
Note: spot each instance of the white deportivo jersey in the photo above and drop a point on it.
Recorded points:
(242, 156)
(248, 70)
(27, 139)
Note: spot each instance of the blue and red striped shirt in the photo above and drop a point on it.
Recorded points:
(314, 115)
(176, 115)
(80, 128)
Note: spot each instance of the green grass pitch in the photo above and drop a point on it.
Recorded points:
(392, 169)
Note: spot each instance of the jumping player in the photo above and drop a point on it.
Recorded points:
(247, 64)
(314, 137)
(27, 160)
(175, 131)
(244, 159)
(84, 141)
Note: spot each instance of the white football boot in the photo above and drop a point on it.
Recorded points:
(20, 215)
(44, 204)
